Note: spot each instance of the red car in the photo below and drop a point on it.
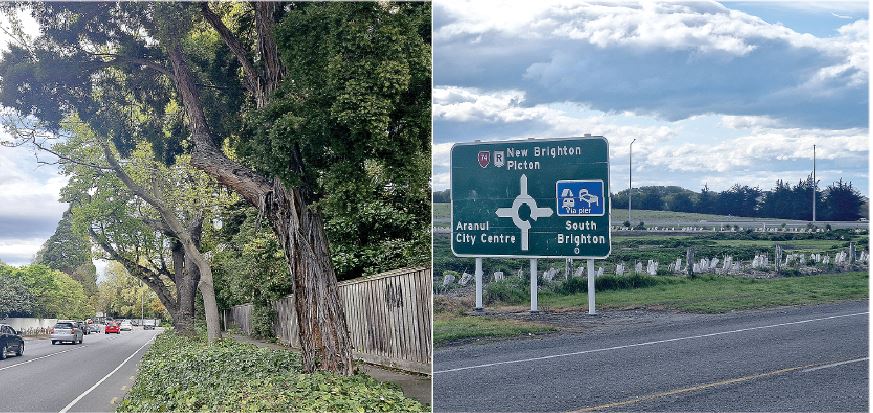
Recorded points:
(112, 327)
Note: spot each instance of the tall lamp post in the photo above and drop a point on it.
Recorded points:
(630, 179)
(814, 183)
(142, 305)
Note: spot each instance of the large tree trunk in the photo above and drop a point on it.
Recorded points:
(207, 290)
(187, 278)
(323, 332)
(189, 238)
(320, 316)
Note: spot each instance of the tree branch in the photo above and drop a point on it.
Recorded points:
(250, 74)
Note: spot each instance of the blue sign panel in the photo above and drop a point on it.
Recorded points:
(580, 198)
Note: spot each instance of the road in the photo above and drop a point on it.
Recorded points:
(790, 359)
(89, 377)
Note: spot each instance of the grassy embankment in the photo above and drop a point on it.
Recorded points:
(184, 374)
(706, 294)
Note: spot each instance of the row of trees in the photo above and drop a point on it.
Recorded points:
(39, 291)
(309, 120)
(839, 201)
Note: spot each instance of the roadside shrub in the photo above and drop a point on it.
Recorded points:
(263, 316)
(511, 290)
(579, 285)
(185, 374)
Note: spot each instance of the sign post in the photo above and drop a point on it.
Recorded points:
(479, 284)
(531, 199)
(591, 276)
(533, 285)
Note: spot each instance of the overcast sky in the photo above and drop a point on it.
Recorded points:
(714, 93)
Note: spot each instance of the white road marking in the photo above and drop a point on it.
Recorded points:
(827, 366)
(42, 357)
(76, 400)
(648, 343)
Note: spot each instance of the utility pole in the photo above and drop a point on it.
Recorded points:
(814, 183)
(141, 305)
(630, 185)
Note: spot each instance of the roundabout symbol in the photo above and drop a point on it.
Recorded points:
(512, 212)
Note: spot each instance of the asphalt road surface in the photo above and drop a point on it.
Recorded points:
(89, 377)
(812, 358)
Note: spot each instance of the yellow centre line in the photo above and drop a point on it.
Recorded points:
(654, 396)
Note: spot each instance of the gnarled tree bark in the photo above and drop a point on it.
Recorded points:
(323, 333)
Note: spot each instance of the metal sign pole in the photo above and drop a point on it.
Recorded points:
(479, 284)
(591, 276)
(533, 285)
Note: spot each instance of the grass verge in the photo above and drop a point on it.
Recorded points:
(449, 328)
(713, 294)
(185, 374)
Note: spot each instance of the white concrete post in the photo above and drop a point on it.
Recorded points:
(591, 276)
(533, 285)
(479, 283)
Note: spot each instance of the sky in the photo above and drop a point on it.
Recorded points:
(29, 189)
(714, 93)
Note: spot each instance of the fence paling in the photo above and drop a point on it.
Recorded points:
(388, 316)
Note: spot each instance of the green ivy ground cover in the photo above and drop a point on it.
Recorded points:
(184, 374)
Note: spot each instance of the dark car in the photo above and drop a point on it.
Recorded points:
(84, 326)
(10, 340)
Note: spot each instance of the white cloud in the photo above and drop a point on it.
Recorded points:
(29, 206)
(761, 146)
(671, 60)
(460, 104)
(464, 104)
(19, 251)
(701, 26)
(441, 154)
(441, 181)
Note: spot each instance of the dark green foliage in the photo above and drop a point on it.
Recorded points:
(70, 253)
(512, 290)
(15, 299)
(843, 202)
(651, 197)
(46, 293)
(353, 128)
(838, 202)
(442, 197)
(578, 285)
(249, 267)
(185, 374)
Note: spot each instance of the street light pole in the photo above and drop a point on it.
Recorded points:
(814, 183)
(630, 179)
(141, 305)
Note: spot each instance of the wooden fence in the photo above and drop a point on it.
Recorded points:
(388, 316)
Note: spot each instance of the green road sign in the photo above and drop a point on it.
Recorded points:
(531, 198)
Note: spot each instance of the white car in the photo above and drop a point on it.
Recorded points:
(126, 326)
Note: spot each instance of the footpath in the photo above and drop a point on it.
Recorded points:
(414, 386)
